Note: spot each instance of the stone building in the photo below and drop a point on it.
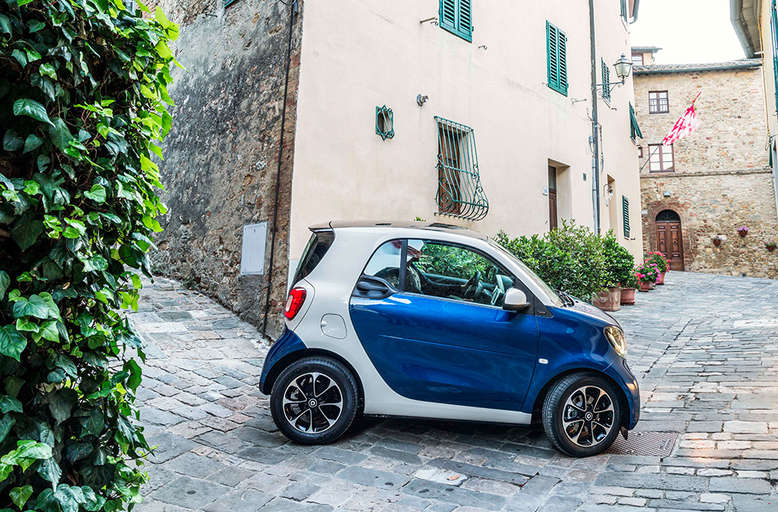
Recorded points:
(699, 191)
(295, 113)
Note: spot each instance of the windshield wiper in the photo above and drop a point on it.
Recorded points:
(566, 298)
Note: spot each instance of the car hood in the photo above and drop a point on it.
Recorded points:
(593, 312)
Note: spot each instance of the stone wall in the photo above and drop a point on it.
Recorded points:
(721, 179)
(221, 156)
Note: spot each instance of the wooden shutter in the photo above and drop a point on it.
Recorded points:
(606, 80)
(625, 208)
(456, 17)
(624, 13)
(556, 58)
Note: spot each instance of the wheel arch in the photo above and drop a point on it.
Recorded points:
(290, 358)
(537, 407)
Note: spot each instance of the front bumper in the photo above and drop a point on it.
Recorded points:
(629, 384)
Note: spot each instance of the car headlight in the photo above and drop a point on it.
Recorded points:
(616, 338)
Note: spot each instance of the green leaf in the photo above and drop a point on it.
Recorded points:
(49, 331)
(26, 325)
(12, 142)
(69, 497)
(48, 70)
(50, 471)
(25, 232)
(5, 24)
(6, 423)
(12, 344)
(5, 282)
(32, 143)
(93, 424)
(28, 449)
(96, 193)
(20, 495)
(31, 108)
(64, 362)
(135, 374)
(21, 3)
(61, 403)
(10, 404)
(36, 306)
(60, 134)
(31, 188)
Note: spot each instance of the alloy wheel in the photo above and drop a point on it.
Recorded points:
(587, 416)
(312, 403)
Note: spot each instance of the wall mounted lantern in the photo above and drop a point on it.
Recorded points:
(384, 122)
(623, 67)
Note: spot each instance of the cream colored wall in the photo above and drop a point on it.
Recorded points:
(359, 54)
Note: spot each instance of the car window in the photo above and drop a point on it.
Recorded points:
(456, 272)
(317, 247)
(385, 263)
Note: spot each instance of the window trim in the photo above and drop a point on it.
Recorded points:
(658, 103)
(661, 159)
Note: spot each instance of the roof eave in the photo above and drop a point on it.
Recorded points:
(635, 8)
(740, 24)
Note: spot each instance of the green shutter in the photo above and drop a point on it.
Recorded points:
(774, 37)
(634, 128)
(456, 16)
(606, 81)
(556, 58)
(624, 13)
(625, 208)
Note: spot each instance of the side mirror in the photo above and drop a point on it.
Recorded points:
(515, 300)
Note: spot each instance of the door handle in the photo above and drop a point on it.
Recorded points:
(371, 287)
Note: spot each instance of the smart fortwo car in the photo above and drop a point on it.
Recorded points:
(435, 321)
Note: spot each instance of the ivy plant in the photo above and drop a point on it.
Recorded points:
(83, 96)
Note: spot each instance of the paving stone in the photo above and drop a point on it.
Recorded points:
(373, 477)
(463, 497)
(340, 455)
(406, 457)
(740, 485)
(660, 481)
(483, 472)
(285, 505)
(194, 465)
(189, 492)
(167, 446)
(241, 500)
(298, 491)
(745, 427)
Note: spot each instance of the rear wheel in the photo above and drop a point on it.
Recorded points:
(582, 414)
(314, 400)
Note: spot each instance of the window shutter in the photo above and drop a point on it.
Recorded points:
(556, 58)
(456, 17)
(562, 58)
(624, 13)
(606, 80)
(625, 208)
(465, 22)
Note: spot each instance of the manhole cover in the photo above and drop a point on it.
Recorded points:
(645, 443)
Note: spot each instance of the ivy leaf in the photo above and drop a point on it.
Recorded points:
(6, 423)
(60, 134)
(28, 449)
(95, 263)
(49, 470)
(31, 108)
(20, 495)
(25, 232)
(24, 324)
(5, 282)
(96, 193)
(36, 306)
(12, 142)
(69, 497)
(93, 424)
(12, 344)
(49, 331)
(32, 143)
(135, 374)
(5, 24)
(10, 404)
(61, 403)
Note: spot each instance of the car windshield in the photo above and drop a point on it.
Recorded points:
(530, 274)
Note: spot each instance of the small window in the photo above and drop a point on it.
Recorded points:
(317, 247)
(658, 102)
(660, 158)
(637, 59)
(385, 263)
(454, 272)
(384, 122)
(456, 17)
(556, 58)
(460, 193)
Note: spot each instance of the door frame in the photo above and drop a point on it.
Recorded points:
(688, 225)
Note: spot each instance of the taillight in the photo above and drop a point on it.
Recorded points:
(294, 302)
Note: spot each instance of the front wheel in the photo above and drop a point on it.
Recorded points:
(582, 414)
(314, 400)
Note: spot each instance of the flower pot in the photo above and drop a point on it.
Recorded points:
(717, 241)
(770, 248)
(652, 285)
(609, 300)
(742, 233)
(627, 296)
(644, 287)
(660, 278)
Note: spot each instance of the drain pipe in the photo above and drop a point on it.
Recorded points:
(595, 126)
(292, 13)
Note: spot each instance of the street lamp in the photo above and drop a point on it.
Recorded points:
(623, 67)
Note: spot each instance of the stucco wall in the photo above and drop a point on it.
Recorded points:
(357, 55)
(721, 179)
(221, 156)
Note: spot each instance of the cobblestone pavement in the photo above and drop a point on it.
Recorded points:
(704, 347)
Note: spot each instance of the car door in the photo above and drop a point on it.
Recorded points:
(435, 330)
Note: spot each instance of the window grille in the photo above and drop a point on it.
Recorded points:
(460, 193)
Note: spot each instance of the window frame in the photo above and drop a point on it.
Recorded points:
(658, 109)
(661, 158)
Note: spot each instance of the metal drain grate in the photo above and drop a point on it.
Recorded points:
(645, 443)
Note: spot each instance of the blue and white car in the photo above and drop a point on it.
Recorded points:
(435, 321)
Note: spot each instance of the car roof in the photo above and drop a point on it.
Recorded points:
(389, 225)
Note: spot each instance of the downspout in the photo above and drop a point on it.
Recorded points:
(595, 125)
(292, 13)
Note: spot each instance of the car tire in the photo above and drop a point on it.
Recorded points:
(314, 400)
(582, 414)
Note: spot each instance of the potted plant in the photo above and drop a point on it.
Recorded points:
(618, 268)
(742, 231)
(770, 246)
(628, 287)
(661, 264)
(646, 275)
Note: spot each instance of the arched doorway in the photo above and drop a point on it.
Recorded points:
(668, 238)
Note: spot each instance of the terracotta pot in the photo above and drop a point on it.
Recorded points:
(660, 278)
(652, 285)
(609, 300)
(644, 287)
(717, 241)
(627, 296)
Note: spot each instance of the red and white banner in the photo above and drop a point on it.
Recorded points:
(685, 125)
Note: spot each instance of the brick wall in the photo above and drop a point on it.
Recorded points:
(221, 156)
(721, 179)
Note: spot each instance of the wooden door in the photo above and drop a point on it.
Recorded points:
(670, 243)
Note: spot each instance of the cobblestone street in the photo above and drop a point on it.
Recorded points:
(704, 347)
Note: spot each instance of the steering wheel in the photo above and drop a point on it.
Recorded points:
(471, 285)
(499, 290)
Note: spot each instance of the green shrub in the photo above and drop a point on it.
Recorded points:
(82, 94)
(572, 258)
